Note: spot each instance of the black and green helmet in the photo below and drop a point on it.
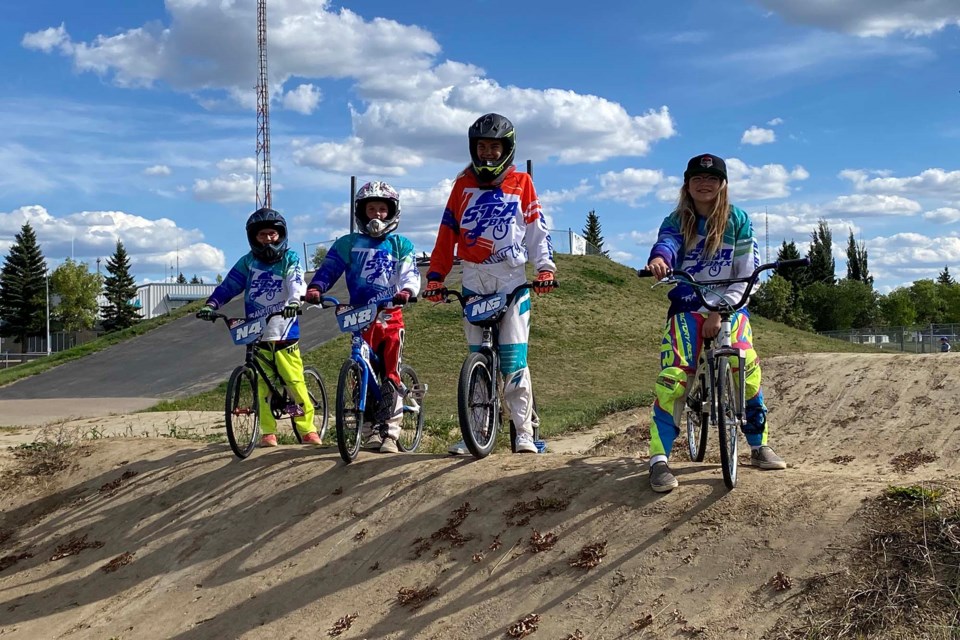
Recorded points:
(492, 126)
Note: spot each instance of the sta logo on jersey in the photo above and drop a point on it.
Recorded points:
(265, 285)
(488, 212)
(378, 266)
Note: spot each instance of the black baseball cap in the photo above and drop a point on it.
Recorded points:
(706, 163)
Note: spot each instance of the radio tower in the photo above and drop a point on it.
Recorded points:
(263, 112)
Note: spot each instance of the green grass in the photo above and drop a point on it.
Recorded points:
(594, 349)
(43, 364)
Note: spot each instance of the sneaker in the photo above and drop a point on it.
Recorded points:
(375, 441)
(459, 449)
(765, 458)
(389, 446)
(662, 479)
(525, 444)
(312, 438)
(269, 440)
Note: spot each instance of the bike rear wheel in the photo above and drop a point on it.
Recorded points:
(478, 405)
(411, 429)
(318, 397)
(241, 412)
(697, 420)
(727, 423)
(349, 415)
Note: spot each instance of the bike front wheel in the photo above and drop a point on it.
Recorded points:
(728, 423)
(411, 429)
(318, 397)
(478, 405)
(349, 414)
(697, 420)
(242, 411)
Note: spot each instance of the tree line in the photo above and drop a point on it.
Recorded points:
(72, 288)
(813, 298)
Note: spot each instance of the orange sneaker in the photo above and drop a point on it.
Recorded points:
(269, 440)
(312, 438)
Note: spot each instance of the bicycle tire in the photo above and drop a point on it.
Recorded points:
(411, 429)
(242, 411)
(727, 423)
(697, 421)
(478, 405)
(349, 415)
(318, 397)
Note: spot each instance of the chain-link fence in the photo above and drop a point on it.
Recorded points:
(930, 338)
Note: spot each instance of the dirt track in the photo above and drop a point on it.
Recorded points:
(286, 543)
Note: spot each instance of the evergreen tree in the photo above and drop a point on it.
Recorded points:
(119, 289)
(23, 290)
(857, 262)
(181, 279)
(78, 290)
(798, 277)
(823, 267)
(219, 278)
(592, 234)
(945, 277)
(195, 280)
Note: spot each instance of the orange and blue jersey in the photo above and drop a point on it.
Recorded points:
(501, 223)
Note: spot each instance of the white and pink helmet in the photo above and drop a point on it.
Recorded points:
(377, 190)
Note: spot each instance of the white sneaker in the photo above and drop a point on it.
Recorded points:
(389, 446)
(525, 444)
(375, 441)
(459, 449)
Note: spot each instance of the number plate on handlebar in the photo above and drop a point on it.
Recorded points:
(245, 331)
(356, 318)
(481, 308)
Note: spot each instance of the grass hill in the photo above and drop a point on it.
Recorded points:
(594, 349)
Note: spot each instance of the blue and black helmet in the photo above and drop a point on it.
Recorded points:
(267, 219)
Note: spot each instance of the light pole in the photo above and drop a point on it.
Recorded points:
(46, 277)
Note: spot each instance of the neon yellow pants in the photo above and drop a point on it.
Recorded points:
(289, 365)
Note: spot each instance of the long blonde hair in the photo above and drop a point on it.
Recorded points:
(716, 221)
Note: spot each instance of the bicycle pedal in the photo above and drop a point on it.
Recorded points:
(417, 391)
(294, 410)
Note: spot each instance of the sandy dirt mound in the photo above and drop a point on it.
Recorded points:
(159, 538)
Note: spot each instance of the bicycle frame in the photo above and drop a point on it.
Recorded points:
(356, 320)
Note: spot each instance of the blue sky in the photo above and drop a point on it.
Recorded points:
(137, 119)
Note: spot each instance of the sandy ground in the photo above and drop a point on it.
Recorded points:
(183, 541)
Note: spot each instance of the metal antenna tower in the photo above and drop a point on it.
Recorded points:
(766, 235)
(263, 112)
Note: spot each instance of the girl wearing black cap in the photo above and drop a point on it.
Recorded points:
(710, 239)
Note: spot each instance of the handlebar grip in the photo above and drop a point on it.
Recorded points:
(797, 262)
(644, 273)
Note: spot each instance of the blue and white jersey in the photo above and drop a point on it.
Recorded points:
(737, 257)
(375, 267)
(267, 288)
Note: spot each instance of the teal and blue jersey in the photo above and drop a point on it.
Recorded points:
(267, 289)
(737, 257)
(375, 268)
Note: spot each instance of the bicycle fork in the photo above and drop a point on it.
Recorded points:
(719, 359)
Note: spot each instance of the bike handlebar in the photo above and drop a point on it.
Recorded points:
(676, 277)
(463, 301)
(217, 315)
(329, 301)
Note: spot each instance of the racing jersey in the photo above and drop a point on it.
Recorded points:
(737, 257)
(267, 288)
(375, 267)
(502, 223)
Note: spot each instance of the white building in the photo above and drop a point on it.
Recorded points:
(159, 298)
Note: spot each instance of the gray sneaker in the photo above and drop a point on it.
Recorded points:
(375, 441)
(389, 446)
(765, 458)
(662, 479)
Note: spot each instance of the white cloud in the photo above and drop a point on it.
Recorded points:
(870, 17)
(931, 182)
(235, 187)
(758, 136)
(553, 199)
(913, 251)
(630, 184)
(775, 122)
(238, 165)
(48, 39)
(304, 99)
(157, 170)
(91, 234)
(943, 215)
(353, 156)
(874, 205)
(763, 182)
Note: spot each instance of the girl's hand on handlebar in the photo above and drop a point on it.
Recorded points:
(659, 269)
(711, 326)
(545, 282)
(313, 295)
(435, 291)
